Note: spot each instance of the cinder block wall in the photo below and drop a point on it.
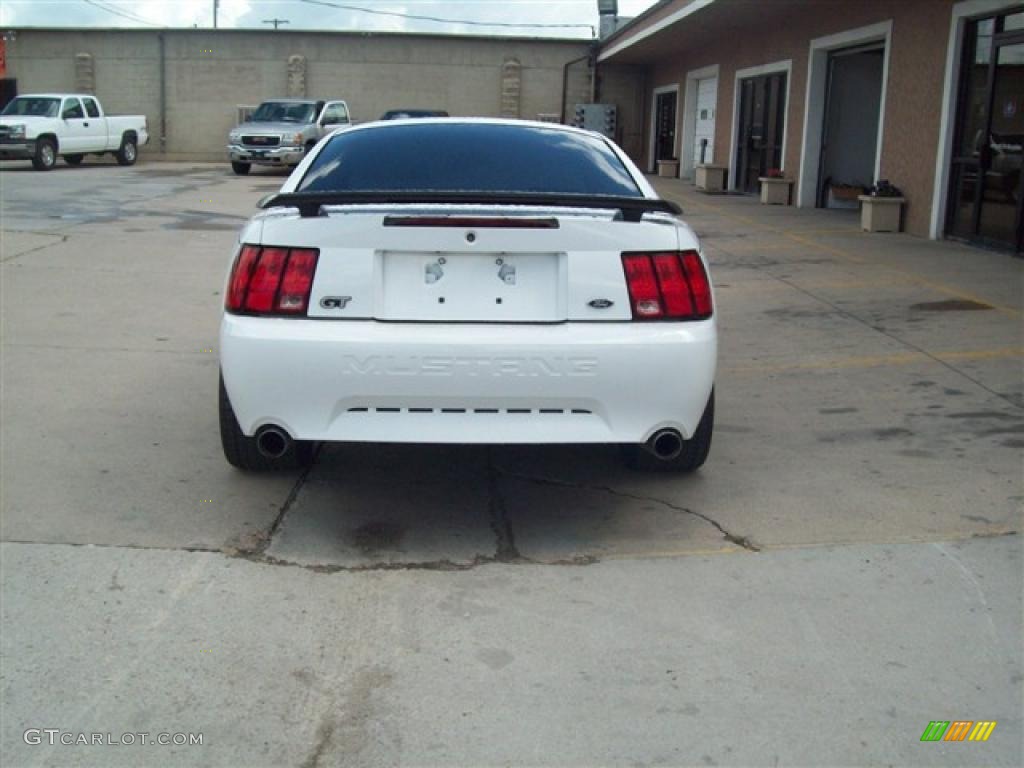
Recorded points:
(208, 73)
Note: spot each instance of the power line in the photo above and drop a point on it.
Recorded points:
(122, 14)
(440, 20)
(276, 21)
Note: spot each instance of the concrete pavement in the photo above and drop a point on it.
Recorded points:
(850, 549)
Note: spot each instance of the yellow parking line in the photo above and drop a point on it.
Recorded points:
(876, 361)
(844, 254)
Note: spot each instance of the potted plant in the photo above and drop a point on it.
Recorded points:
(882, 208)
(775, 187)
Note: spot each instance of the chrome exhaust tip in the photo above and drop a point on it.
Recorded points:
(665, 444)
(273, 442)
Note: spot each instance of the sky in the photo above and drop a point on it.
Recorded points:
(550, 18)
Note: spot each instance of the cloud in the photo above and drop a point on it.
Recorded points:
(182, 13)
(232, 11)
(301, 15)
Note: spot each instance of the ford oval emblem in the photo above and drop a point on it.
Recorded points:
(600, 303)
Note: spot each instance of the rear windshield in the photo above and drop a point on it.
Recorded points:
(466, 157)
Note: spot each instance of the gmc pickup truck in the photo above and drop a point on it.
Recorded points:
(281, 132)
(40, 127)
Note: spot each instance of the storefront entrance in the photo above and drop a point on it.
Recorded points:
(761, 124)
(987, 189)
(665, 126)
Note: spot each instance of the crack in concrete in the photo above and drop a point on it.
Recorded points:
(141, 547)
(324, 733)
(63, 239)
(264, 538)
(741, 541)
(505, 548)
(506, 552)
(505, 540)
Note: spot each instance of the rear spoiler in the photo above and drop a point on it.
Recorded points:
(309, 203)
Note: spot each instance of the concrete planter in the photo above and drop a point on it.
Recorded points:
(711, 178)
(668, 169)
(775, 191)
(880, 214)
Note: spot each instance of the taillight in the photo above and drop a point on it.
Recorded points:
(271, 281)
(667, 286)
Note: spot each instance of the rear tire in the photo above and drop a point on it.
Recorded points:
(694, 454)
(129, 151)
(74, 159)
(240, 169)
(46, 155)
(241, 450)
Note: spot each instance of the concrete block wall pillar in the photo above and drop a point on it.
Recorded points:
(511, 87)
(297, 76)
(85, 73)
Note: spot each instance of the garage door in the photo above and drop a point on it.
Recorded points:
(707, 98)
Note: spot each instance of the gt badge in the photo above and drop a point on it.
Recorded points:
(335, 302)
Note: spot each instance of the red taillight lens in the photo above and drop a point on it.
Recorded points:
(643, 285)
(265, 280)
(297, 282)
(667, 286)
(699, 284)
(271, 281)
(240, 276)
(674, 291)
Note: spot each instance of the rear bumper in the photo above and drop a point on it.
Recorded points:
(467, 383)
(288, 155)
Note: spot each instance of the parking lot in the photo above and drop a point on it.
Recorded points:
(846, 567)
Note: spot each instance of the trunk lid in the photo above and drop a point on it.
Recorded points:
(474, 264)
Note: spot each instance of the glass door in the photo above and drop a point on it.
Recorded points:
(665, 127)
(999, 215)
(761, 123)
(987, 188)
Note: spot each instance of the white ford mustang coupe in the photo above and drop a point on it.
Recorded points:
(467, 281)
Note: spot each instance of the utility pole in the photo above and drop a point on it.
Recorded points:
(276, 22)
(215, 4)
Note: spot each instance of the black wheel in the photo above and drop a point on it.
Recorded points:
(129, 151)
(693, 455)
(74, 159)
(46, 155)
(242, 169)
(241, 451)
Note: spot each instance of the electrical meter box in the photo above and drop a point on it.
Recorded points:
(602, 118)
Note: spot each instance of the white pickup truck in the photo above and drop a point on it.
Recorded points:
(40, 127)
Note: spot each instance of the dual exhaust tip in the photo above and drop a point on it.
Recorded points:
(665, 444)
(273, 442)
